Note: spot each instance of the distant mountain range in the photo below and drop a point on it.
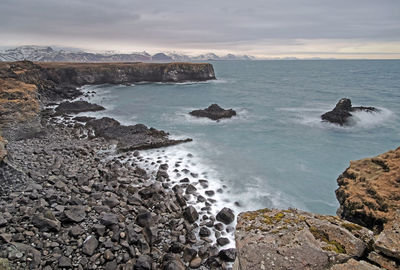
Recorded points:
(49, 54)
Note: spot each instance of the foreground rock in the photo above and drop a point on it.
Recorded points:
(293, 239)
(342, 112)
(369, 190)
(137, 137)
(214, 112)
(75, 107)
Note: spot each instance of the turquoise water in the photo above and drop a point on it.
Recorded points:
(276, 152)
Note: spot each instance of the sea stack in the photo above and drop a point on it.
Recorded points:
(342, 112)
(214, 112)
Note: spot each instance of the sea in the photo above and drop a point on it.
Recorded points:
(276, 152)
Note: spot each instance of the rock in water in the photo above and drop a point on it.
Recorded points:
(342, 111)
(214, 112)
(226, 216)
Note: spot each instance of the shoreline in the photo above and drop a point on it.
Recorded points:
(75, 200)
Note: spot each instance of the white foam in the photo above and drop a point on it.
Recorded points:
(358, 120)
(196, 165)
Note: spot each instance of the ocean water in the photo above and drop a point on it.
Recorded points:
(276, 152)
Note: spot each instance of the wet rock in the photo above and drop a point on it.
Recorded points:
(214, 112)
(228, 255)
(204, 232)
(226, 216)
(222, 241)
(90, 245)
(191, 214)
(342, 112)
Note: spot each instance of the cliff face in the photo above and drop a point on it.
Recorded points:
(369, 190)
(121, 73)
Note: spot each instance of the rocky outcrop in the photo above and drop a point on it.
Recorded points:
(75, 107)
(369, 190)
(342, 112)
(293, 239)
(137, 137)
(214, 112)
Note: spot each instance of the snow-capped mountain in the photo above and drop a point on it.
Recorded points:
(49, 54)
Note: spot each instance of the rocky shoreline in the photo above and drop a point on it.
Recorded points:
(74, 197)
(74, 193)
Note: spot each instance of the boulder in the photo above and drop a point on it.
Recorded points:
(342, 112)
(89, 245)
(294, 239)
(226, 216)
(214, 112)
(191, 214)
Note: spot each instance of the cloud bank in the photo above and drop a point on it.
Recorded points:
(259, 27)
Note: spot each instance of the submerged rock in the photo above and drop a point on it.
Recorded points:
(342, 111)
(214, 112)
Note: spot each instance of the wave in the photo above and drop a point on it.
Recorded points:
(358, 120)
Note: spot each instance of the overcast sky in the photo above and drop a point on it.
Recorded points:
(264, 28)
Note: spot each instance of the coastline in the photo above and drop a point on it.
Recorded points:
(93, 210)
(109, 188)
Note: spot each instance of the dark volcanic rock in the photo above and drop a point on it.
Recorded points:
(342, 111)
(90, 245)
(214, 112)
(226, 216)
(228, 255)
(136, 137)
(77, 107)
(191, 214)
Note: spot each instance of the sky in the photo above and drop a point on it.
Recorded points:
(262, 28)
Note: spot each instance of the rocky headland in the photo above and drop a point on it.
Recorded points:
(341, 114)
(364, 235)
(214, 112)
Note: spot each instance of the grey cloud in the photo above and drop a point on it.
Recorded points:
(179, 23)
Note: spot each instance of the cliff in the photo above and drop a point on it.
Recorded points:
(369, 190)
(292, 239)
